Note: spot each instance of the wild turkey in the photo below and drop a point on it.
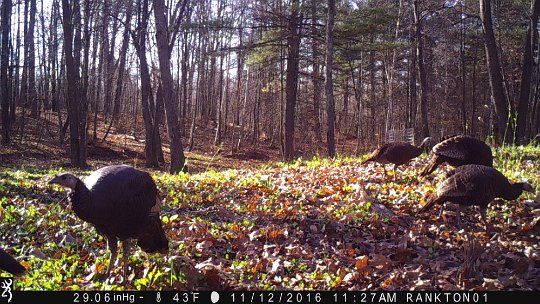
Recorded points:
(457, 151)
(9, 264)
(122, 203)
(475, 185)
(397, 153)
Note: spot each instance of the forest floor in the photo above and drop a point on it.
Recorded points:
(249, 224)
(38, 143)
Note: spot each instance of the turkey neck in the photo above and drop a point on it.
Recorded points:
(422, 147)
(81, 201)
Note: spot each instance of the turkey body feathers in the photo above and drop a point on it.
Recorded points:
(397, 153)
(119, 201)
(457, 151)
(475, 185)
(122, 203)
(9, 264)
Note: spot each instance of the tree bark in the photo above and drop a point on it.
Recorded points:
(413, 94)
(291, 83)
(120, 73)
(329, 85)
(424, 88)
(147, 102)
(4, 62)
(164, 48)
(496, 81)
(30, 61)
(316, 73)
(526, 73)
(70, 10)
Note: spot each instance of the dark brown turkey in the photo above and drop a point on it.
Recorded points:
(397, 153)
(457, 151)
(9, 264)
(475, 185)
(122, 203)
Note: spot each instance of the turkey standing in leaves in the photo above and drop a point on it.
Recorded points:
(9, 264)
(475, 185)
(457, 151)
(122, 203)
(397, 153)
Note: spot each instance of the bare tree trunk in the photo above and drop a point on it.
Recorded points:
(147, 103)
(4, 62)
(53, 50)
(219, 115)
(120, 73)
(164, 48)
(526, 73)
(184, 80)
(463, 68)
(496, 81)
(82, 39)
(357, 87)
(413, 94)
(30, 61)
(329, 85)
(70, 11)
(390, 74)
(473, 93)
(317, 83)
(424, 89)
(372, 98)
(291, 83)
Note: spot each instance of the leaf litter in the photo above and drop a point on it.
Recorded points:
(316, 225)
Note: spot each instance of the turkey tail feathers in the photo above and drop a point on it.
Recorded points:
(431, 166)
(431, 201)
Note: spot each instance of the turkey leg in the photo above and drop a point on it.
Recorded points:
(126, 248)
(113, 247)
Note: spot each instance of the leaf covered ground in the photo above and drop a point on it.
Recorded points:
(307, 225)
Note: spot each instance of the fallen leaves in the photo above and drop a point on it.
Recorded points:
(309, 225)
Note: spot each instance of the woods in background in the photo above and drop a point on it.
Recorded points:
(253, 72)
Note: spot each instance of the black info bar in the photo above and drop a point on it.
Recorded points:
(255, 297)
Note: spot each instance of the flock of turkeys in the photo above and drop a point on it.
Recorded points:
(123, 203)
(474, 181)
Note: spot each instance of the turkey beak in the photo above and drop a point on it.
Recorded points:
(52, 181)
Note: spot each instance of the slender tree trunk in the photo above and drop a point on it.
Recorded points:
(390, 74)
(317, 83)
(82, 39)
(219, 115)
(329, 85)
(73, 81)
(31, 61)
(526, 73)
(496, 81)
(463, 69)
(424, 89)
(372, 98)
(4, 62)
(473, 93)
(357, 87)
(45, 64)
(171, 107)
(120, 74)
(413, 94)
(291, 84)
(147, 103)
(184, 80)
(53, 51)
